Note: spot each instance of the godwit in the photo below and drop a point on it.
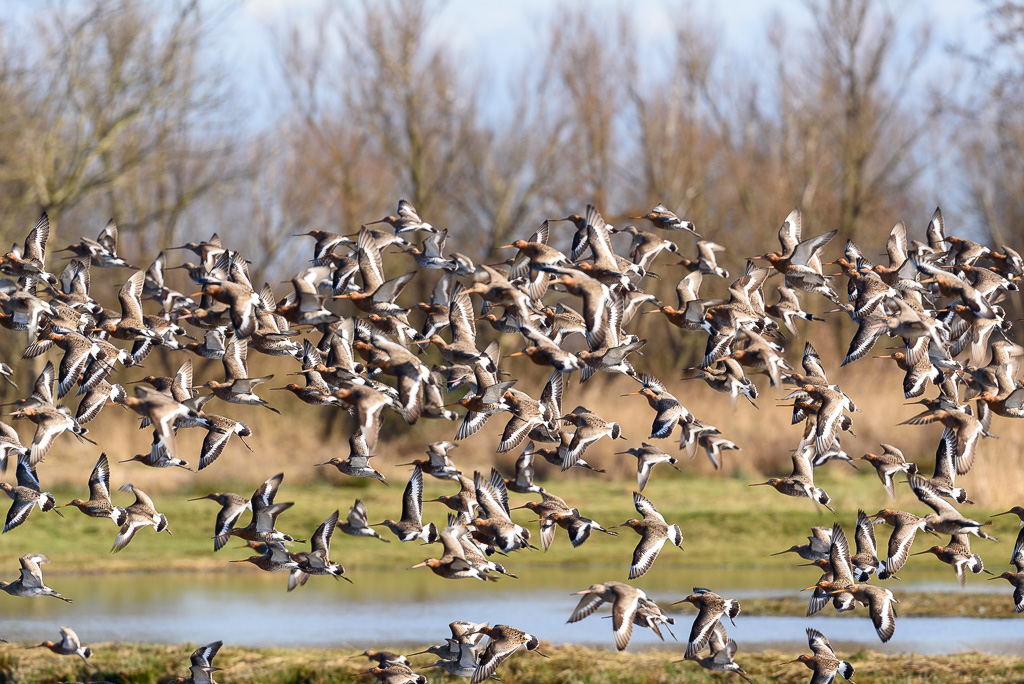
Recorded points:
(886, 465)
(406, 220)
(437, 463)
(824, 661)
(817, 546)
(462, 660)
(599, 311)
(270, 557)
(706, 261)
(79, 350)
(668, 411)
(463, 348)
(165, 413)
(800, 483)
(504, 641)
(943, 480)
(709, 438)
(798, 260)
(788, 308)
(367, 404)
(158, 456)
(915, 382)
(10, 444)
(1018, 547)
(967, 428)
(626, 601)
(384, 658)
(358, 462)
(1017, 560)
(523, 482)
(494, 522)
(68, 645)
(865, 562)
(317, 560)
(905, 527)
(262, 526)
(30, 584)
(410, 526)
(453, 564)
(30, 261)
(537, 258)
(243, 304)
(50, 421)
(26, 496)
(304, 306)
(528, 414)
(711, 607)
(590, 427)
(662, 218)
(201, 668)
(838, 575)
(690, 312)
(237, 387)
(326, 241)
(578, 526)
(653, 531)
(645, 247)
(722, 655)
(946, 519)
(140, 514)
(727, 377)
(648, 456)
(396, 674)
(99, 504)
(958, 554)
(463, 502)
(231, 508)
(548, 509)
(101, 394)
(355, 524)
(879, 601)
(218, 435)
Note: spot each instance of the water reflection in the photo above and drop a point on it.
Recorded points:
(409, 607)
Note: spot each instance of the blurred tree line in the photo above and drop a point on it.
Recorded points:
(129, 109)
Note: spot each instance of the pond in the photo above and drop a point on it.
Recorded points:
(411, 608)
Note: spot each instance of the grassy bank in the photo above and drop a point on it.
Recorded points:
(123, 664)
(724, 521)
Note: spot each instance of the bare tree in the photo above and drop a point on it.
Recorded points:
(113, 113)
(586, 62)
(857, 89)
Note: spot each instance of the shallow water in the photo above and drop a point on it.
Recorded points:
(406, 608)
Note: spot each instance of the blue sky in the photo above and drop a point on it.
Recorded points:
(498, 38)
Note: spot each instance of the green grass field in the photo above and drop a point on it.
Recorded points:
(143, 664)
(724, 522)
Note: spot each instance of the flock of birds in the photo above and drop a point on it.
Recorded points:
(571, 312)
